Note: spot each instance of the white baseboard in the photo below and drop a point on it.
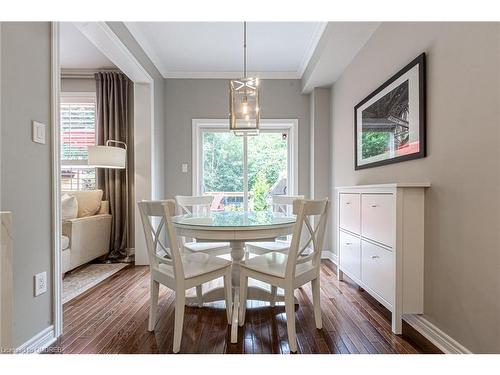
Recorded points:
(441, 340)
(326, 254)
(39, 342)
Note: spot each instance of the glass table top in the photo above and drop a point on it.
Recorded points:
(240, 219)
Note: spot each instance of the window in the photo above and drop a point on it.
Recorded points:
(222, 169)
(78, 131)
(243, 173)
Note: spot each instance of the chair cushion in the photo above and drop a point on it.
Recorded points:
(64, 242)
(274, 264)
(89, 201)
(196, 264)
(205, 246)
(69, 207)
(268, 246)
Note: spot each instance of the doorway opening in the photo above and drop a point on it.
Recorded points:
(74, 130)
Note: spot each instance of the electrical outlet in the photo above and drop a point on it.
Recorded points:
(40, 283)
(184, 167)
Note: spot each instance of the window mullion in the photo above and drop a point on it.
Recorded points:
(245, 173)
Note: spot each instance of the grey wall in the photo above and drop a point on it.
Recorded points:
(188, 99)
(26, 168)
(462, 257)
(26, 94)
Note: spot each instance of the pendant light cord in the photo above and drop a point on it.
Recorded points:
(245, 49)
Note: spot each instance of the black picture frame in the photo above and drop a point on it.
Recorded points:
(420, 61)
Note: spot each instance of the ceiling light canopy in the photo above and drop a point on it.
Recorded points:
(244, 110)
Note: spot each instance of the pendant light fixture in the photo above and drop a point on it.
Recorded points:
(244, 111)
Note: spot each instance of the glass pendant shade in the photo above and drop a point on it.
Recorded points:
(244, 111)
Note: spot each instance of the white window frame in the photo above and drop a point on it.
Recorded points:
(290, 125)
(78, 97)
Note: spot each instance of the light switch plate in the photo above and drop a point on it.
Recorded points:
(38, 132)
(184, 167)
(40, 283)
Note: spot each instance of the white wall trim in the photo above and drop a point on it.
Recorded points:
(223, 124)
(106, 41)
(313, 43)
(441, 340)
(39, 342)
(56, 184)
(327, 254)
(159, 64)
(148, 49)
(231, 75)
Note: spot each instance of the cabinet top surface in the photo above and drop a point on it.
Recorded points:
(385, 186)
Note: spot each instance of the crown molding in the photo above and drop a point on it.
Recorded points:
(231, 75)
(158, 63)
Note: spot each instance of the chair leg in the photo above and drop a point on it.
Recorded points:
(153, 308)
(180, 301)
(316, 302)
(290, 319)
(243, 297)
(228, 290)
(274, 292)
(199, 294)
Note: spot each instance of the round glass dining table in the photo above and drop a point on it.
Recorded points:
(235, 227)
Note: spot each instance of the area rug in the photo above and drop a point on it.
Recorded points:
(86, 277)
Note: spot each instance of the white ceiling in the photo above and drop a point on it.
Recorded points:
(77, 52)
(316, 52)
(215, 49)
(339, 44)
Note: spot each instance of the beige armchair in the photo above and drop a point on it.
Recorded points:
(87, 237)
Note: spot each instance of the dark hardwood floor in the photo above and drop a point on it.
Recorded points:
(112, 318)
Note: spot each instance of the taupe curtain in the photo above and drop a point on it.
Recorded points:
(113, 124)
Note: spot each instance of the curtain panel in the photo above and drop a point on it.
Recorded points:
(113, 124)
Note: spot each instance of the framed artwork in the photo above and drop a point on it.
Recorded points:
(389, 124)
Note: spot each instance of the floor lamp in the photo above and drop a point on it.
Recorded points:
(113, 157)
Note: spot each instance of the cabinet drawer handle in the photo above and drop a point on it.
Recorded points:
(347, 203)
(375, 257)
(374, 205)
(348, 243)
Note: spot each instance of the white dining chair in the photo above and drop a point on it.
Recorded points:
(280, 204)
(199, 205)
(175, 270)
(292, 270)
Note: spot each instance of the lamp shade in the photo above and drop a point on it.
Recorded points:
(107, 157)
